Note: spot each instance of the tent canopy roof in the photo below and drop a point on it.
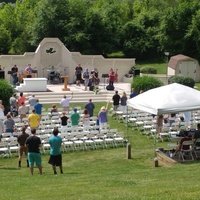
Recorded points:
(171, 98)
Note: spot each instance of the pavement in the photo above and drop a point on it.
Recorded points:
(58, 88)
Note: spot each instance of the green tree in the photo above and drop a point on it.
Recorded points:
(174, 28)
(5, 40)
(6, 92)
(50, 19)
(76, 39)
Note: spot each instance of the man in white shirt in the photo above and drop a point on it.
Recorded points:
(32, 102)
(65, 103)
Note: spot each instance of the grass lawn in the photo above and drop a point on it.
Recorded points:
(160, 66)
(103, 174)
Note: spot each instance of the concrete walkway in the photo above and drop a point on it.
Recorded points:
(120, 87)
(55, 93)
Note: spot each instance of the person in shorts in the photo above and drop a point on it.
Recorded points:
(55, 159)
(21, 139)
(33, 144)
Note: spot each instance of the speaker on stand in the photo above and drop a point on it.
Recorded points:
(104, 76)
(136, 72)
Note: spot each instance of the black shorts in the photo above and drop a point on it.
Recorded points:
(55, 160)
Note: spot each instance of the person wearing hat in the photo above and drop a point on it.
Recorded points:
(102, 116)
(75, 116)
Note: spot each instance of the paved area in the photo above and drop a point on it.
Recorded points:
(57, 88)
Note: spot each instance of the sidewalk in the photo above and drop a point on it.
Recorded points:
(120, 87)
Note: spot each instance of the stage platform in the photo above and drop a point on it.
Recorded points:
(55, 92)
(102, 88)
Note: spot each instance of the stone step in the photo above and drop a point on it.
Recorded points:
(55, 94)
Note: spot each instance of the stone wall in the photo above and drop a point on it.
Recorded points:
(51, 54)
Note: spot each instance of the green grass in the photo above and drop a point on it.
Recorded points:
(160, 66)
(103, 174)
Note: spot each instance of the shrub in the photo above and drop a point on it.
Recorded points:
(148, 70)
(145, 83)
(187, 81)
(6, 92)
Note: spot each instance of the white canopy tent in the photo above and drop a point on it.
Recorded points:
(171, 98)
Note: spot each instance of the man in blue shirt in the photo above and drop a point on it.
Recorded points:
(133, 93)
(55, 159)
(90, 107)
(38, 108)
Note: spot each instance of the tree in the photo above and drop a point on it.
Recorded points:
(6, 92)
(145, 83)
(174, 29)
(50, 20)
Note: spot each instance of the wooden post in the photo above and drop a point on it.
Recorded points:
(128, 148)
(65, 83)
(156, 162)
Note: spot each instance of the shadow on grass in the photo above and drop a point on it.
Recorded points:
(9, 168)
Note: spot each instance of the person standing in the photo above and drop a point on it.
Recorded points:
(78, 73)
(65, 103)
(159, 124)
(33, 120)
(9, 124)
(21, 100)
(38, 108)
(64, 119)
(13, 105)
(111, 77)
(90, 107)
(102, 117)
(124, 102)
(32, 102)
(22, 111)
(75, 116)
(116, 99)
(2, 108)
(33, 144)
(14, 71)
(55, 159)
(86, 78)
(21, 139)
(86, 120)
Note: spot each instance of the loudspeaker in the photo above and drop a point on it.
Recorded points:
(110, 87)
(2, 74)
(91, 88)
(136, 72)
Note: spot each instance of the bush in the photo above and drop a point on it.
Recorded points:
(6, 92)
(187, 81)
(148, 70)
(145, 83)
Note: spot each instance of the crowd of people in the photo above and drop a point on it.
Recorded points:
(91, 78)
(29, 143)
